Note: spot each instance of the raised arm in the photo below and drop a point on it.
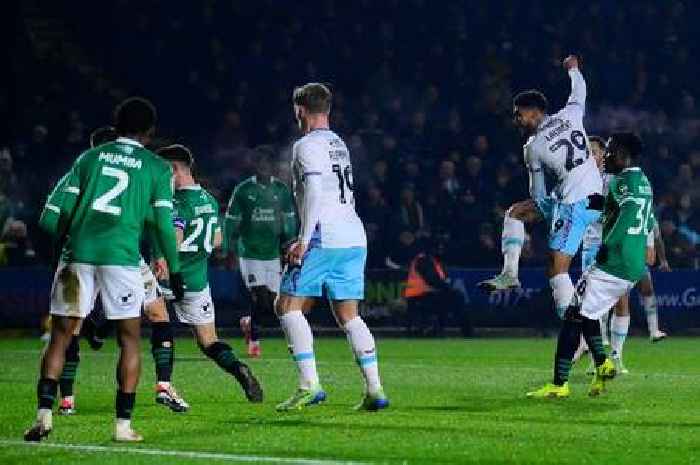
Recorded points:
(577, 97)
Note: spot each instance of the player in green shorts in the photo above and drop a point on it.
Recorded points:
(109, 191)
(196, 222)
(621, 262)
(260, 220)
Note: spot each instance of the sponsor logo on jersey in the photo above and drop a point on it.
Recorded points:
(203, 209)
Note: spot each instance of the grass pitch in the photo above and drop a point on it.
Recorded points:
(453, 401)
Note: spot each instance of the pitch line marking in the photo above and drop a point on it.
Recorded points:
(179, 453)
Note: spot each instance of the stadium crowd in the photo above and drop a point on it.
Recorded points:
(422, 96)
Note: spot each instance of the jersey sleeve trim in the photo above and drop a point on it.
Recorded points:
(310, 173)
(163, 203)
(52, 208)
(233, 217)
(72, 190)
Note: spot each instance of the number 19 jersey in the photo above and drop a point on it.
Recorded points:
(196, 213)
(117, 184)
(323, 153)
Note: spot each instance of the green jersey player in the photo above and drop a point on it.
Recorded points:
(196, 222)
(260, 219)
(101, 213)
(620, 263)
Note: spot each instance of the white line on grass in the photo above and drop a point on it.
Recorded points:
(177, 453)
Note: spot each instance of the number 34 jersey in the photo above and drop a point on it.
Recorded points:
(196, 214)
(560, 148)
(323, 153)
(117, 185)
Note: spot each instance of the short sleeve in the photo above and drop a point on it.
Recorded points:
(310, 157)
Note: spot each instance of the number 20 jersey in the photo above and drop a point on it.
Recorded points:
(560, 147)
(117, 184)
(323, 153)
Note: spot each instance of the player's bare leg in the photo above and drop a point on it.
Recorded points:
(52, 361)
(512, 240)
(300, 340)
(365, 352)
(646, 289)
(128, 371)
(70, 370)
(222, 353)
(162, 349)
(618, 332)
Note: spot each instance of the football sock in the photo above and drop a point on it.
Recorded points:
(591, 332)
(618, 332)
(649, 304)
(223, 355)
(300, 340)
(162, 350)
(605, 328)
(562, 291)
(70, 367)
(582, 347)
(512, 240)
(125, 404)
(569, 338)
(362, 343)
(46, 390)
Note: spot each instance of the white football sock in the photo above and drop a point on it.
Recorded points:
(605, 329)
(362, 343)
(618, 332)
(562, 291)
(649, 304)
(301, 343)
(512, 240)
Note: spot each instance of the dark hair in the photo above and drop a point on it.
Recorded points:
(314, 96)
(531, 99)
(177, 152)
(135, 115)
(102, 135)
(597, 139)
(629, 142)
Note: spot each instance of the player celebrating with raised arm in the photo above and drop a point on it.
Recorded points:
(620, 263)
(196, 221)
(329, 254)
(260, 220)
(557, 144)
(110, 190)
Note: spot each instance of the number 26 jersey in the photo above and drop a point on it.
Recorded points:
(323, 153)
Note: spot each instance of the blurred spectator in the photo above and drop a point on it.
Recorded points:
(679, 250)
(15, 247)
(403, 250)
(410, 213)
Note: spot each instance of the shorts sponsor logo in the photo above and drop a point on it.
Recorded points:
(127, 299)
(251, 278)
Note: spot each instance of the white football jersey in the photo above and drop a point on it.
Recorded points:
(594, 231)
(323, 153)
(560, 148)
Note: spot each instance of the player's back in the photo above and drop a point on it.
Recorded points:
(196, 213)
(323, 153)
(560, 145)
(116, 187)
(627, 256)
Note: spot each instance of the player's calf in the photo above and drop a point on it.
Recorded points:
(223, 355)
(67, 379)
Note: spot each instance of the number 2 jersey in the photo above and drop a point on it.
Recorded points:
(559, 147)
(197, 216)
(105, 200)
(627, 221)
(323, 153)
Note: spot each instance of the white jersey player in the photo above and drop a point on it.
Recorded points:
(329, 256)
(556, 144)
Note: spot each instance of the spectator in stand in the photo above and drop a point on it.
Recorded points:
(15, 247)
(402, 251)
(410, 213)
(679, 251)
(448, 184)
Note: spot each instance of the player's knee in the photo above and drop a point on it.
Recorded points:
(161, 334)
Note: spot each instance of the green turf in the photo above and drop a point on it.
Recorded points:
(453, 401)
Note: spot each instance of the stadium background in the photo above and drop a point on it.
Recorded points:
(422, 96)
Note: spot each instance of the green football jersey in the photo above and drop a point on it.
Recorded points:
(197, 215)
(627, 221)
(52, 220)
(259, 218)
(106, 198)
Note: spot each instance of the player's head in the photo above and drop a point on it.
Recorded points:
(135, 117)
(311, 101)
(623, 150)
(529, 108)
(597, 145)
(182, 161)
(102, 135)
(264, 157)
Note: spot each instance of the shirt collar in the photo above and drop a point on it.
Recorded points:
(126, 140)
